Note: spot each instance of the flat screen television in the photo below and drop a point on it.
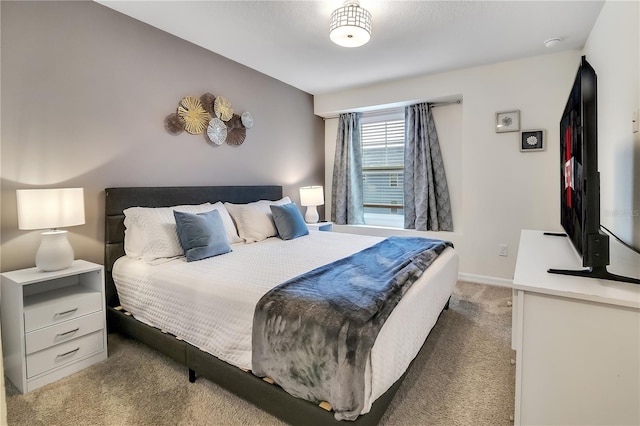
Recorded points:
(580, 179)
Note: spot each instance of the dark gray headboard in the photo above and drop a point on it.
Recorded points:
(119, 199)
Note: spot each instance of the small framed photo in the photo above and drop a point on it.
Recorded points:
(508, 121)
(532, 140)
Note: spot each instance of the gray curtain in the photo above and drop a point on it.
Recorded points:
(347, 187)
(426, 194)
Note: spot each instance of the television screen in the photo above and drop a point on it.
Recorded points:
(580, 181)
(571, 164)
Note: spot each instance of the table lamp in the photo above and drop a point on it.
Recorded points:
(51, 209)
(311, 197)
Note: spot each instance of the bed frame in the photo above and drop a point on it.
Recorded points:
(269, 397)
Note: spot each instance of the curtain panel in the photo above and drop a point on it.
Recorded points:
(347, 187)
(426, 194)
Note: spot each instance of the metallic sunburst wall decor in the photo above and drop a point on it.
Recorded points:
(194, 116)
(211, 115)
(223, 108)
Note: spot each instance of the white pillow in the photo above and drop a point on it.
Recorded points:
(151, 233)
(254, 220)
(232, 232)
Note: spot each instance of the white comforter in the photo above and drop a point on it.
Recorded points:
(210, 303)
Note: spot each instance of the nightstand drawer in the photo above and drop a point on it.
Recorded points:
(52, 307)
(56, 334)
(64, 353)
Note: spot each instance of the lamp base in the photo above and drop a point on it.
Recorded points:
(55, 252)
(311, 216)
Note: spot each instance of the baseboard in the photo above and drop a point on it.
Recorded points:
(483, 279)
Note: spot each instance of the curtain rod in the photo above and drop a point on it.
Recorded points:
(401, 108)
(438, 104)
(375, 112)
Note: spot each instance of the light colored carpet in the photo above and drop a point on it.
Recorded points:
(462, 377)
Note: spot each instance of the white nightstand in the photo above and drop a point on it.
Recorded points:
(53, 323)
(321, 226)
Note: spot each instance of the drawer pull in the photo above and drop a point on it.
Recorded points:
(68, 353)
(70, 311)
(66, 333)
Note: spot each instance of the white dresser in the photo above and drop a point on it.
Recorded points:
(577, 340)
(53, 323)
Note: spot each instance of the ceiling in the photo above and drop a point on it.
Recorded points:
(289, 40)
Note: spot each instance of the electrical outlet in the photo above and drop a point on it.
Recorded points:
(503, 250)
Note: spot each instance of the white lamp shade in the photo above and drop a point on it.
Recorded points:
(350, 25)
(350, 36)
(311, 196)
(50, 208)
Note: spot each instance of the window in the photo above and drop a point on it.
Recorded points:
(383, 164)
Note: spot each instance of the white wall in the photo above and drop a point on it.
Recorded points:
(500, 190)
(613, 49)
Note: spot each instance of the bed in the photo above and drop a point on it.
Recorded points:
(385, 369)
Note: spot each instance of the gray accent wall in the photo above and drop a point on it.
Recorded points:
(85, 91)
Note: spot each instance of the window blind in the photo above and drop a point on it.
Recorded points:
(383, 163)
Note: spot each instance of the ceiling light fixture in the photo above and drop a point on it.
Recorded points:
(551, 43)
(350, 25)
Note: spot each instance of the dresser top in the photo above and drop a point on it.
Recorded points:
(538, 252)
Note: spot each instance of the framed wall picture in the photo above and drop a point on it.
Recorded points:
(532, 140)
(508, 121)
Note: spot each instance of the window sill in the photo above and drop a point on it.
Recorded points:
(385, 231)
(384, 220)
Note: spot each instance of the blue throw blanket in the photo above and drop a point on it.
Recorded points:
(313, 334)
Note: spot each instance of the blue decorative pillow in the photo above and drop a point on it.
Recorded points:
(201, 235)
(289, 221)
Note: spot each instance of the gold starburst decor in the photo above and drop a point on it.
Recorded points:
(211, 115)
(194, 115)
(223, 108)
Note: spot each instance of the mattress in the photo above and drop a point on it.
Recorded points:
(210, 303)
